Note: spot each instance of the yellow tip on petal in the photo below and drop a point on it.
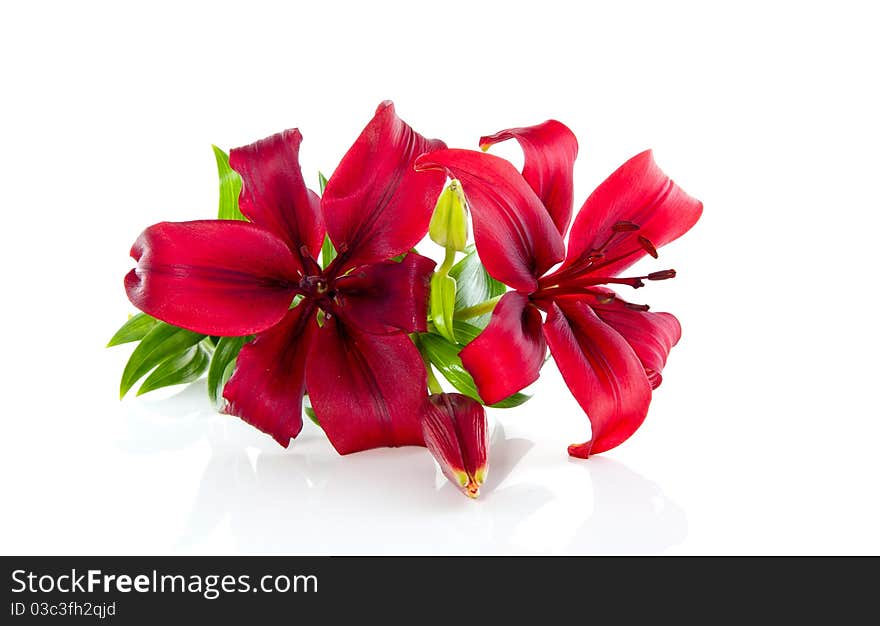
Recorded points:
(480, 475)
(485, 146)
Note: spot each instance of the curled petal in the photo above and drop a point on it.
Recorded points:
(454, 428)
(638, 193)
(376, 205)
(651, 335)
(550, 150)
(514, 234)
(266, 389)
(509, 353)
(387, 296)
(274, 194)
(367, 390)
(214, 277)
(602, 371)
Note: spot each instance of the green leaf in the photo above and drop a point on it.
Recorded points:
(443, 304)
(222, 366)
(310, 413)
(443, 354)
(322, 182)
(230, 187)
(474, 285)
(134, 329)
(511, 401)
(182, 368)
(465, 332)
(160, 344)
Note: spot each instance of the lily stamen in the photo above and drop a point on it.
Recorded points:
(661, 275)
(647, 246)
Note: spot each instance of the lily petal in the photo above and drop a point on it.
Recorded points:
(509, 353)
(602, 371)
(516, 238)
(651, 335)
(454, 428)
(274, 194)
(550, 150)
(640, 193)
(387, 296)
(216, 277)
(367, 390)
(266, 389)
(375, 205)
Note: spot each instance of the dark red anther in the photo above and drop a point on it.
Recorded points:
(595, 256)
(647, 246)
(637, 307)
(624, 227)
(661, 275)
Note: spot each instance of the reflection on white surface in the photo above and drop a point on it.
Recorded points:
(255, 497)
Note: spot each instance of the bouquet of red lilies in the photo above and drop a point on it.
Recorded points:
(292, 295)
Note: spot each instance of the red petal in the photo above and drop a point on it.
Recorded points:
(268, 384)
(550, 150)
(602, 371)
(389, 294)
(215, 277)
(375, 205)
(454, 428)
(638, 192)
(367, 390)
(274, 194)
(651, 335)
(509, 353)
(514, 234)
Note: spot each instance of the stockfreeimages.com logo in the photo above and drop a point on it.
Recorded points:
(210, 586)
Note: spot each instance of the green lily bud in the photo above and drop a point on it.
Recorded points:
(448, 226)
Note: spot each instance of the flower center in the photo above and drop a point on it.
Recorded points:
(314, 286)
(585, 273)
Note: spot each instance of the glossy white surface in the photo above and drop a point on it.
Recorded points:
(762, 438)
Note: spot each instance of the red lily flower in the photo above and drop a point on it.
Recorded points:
(610, 352)
(345, 341)
(454, 427)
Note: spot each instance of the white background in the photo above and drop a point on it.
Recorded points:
(764, 435)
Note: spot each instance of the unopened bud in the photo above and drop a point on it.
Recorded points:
(448, 226)
(454, 428)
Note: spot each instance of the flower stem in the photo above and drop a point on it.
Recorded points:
(478, 309)
(448, 262)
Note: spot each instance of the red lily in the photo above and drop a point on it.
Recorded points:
(346, 340)
(610, 352)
